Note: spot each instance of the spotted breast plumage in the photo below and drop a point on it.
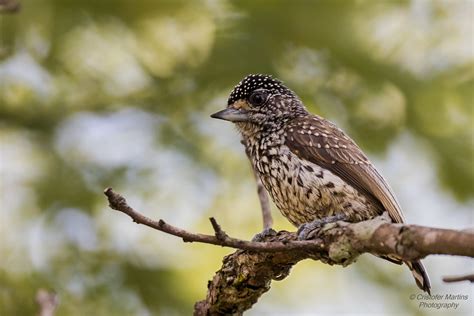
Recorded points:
(310, 167)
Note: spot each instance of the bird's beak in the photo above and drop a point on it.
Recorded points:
(232, 114)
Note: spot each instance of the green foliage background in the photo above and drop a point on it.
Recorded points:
(118, 93)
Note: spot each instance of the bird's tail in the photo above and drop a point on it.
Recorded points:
(420, 275)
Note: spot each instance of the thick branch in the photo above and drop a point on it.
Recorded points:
(247, 273)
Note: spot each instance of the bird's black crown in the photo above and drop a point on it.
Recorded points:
(258, 81)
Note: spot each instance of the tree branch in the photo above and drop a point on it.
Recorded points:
(262, 195)
(247, 273)
(47, 302)
(9, 6)
(118, 202)
(451, 279)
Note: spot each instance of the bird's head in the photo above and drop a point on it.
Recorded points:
(260, 102)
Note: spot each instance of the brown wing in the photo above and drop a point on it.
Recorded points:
(323, 143)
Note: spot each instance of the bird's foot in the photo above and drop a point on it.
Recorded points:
(267, 232)
(306, 230)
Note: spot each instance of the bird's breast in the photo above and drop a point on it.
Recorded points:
(303, 191)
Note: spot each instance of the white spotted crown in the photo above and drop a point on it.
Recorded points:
(258, 81)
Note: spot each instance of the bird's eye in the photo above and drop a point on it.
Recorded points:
(258, 98)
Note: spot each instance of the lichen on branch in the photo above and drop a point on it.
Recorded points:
(247, 273)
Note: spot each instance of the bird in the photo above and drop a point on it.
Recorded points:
(313, 171)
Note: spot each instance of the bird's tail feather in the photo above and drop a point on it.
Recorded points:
(420, 275)
(417, 269)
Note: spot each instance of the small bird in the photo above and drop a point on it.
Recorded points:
(312, 170)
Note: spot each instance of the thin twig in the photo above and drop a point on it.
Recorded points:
(376, 236)
(450, 279)
(9, 6)
(47, 302)
(262, 195)
(220, 234)
(264, 203)
(118, 202)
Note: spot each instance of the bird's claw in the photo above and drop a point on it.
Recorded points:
(267, 232)
(306, 231)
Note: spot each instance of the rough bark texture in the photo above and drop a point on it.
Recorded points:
(247, 273)
(243, 278)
